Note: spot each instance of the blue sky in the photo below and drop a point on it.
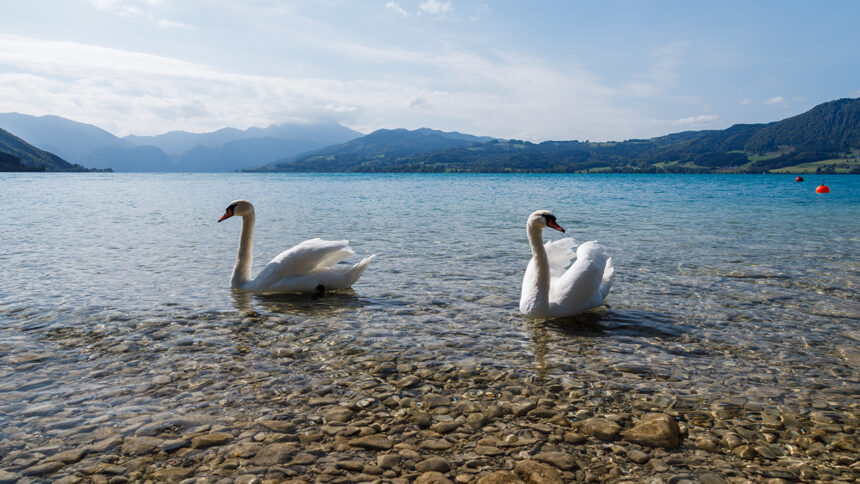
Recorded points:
(536, 70)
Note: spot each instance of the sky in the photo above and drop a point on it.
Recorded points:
(537, 70)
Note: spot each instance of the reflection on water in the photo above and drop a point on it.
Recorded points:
(741, 293)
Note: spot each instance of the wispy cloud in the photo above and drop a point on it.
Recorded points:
(167, 24)
(503, 94)
(699, 120)
(663, 72)
(436, 7)
(431, 7)
(745, 101)
(397, 8)
(776, 100)
(143, 10)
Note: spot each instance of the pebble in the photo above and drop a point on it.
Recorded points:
(655, 430)
(561, 460)
(373, 442)
(210, 440)
(533, 472)
(437, 464)
(600, 428)
(43, 469)
(432, 477)
(637, 456)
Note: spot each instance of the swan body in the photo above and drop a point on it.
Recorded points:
(306, 268)
(553, 290)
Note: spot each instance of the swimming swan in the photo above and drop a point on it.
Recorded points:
(307, 267)
(550, 291)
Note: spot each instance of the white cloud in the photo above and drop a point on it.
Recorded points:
(419, 102)
(776, 100)
(397, 8)
(663, 72)
(167, 24)
(699, 120)
(745, 101)
(502, 94)
(435, 7)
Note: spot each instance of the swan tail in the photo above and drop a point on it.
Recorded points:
(356, 270)
(608, 275)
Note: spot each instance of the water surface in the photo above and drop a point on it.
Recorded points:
(115, 299)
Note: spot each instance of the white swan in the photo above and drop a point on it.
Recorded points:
(550, 291)
(307, 267)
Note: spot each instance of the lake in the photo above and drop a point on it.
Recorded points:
(732, 292)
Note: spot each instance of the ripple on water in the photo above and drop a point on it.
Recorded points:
(704, 307)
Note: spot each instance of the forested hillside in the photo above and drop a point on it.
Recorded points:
(824, 139)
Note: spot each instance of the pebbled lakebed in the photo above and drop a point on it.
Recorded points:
(729, 352)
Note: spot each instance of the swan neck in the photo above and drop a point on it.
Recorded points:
(245, 254)
(539, 294)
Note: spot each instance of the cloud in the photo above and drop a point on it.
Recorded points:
(697, 120)
(502, 94)
(481, 11)
(745, 101)
(418, 102)
(167, 24)
(663, 72)
(776, 100)
(435, 7)
(397, 8)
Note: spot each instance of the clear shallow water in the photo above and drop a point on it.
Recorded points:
(115, 300)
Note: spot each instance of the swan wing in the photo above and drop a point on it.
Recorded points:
(608, 275)
(579, 288)
(559, 253)
(331, 278)
(306, 257)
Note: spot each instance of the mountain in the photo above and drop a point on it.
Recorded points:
(379, 151)
(242, 153)
(18, 155)
(69, 139)
(227, 149)
(176, 143)
(823, 139)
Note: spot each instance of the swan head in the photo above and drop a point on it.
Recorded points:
(542, 219)
(237, 207)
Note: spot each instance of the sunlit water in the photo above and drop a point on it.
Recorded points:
(115, 298)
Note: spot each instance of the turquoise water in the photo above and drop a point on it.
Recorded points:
(741, 287)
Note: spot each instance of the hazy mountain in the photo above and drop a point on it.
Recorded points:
(826, 137)
(241, 154)
(176, 143)
(18, 155)
(227, 149)
(69, 139)
(382, 148)
(138, 158)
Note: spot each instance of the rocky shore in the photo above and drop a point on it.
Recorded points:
(402, 422)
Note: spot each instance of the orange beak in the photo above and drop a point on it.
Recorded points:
(227, 214)
(552, 224)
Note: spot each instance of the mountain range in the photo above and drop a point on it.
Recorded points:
(227, 149)
(823, 139)
(18, 155)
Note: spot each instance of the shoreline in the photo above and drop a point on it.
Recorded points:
(386, 420)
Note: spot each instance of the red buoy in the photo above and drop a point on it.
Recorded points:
(799, 179)
(822, 189)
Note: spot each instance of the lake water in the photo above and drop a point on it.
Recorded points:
(115, 300)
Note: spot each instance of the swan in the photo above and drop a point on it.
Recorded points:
(306, 268)
(550, 291)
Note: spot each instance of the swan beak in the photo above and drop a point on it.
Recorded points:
(554, 225)
(227, 214)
